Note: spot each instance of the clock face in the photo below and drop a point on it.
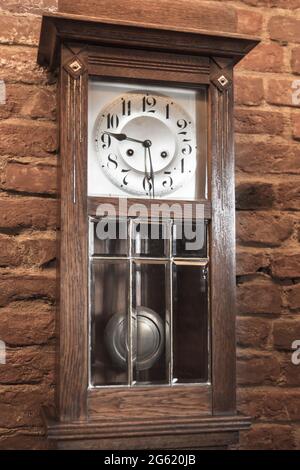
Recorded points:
(145, 143)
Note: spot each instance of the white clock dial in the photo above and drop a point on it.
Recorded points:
(146, 144)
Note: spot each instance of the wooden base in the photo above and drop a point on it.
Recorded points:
(170, 433)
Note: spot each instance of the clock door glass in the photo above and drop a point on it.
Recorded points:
(109, 354)
(146, 141)
(190, 324)
(149, 310)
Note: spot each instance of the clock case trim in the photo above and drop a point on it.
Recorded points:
(60, 27)
(76, 46)
(208, 432)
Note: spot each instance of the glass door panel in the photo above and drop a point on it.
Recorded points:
(190, 324)
(109, 307)
(151, 364)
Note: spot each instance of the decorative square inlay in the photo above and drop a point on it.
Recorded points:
(223, 80)
(75, 66)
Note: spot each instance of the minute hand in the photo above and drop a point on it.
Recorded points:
(122, 137)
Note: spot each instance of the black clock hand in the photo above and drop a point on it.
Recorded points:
(122, 137)
(148, 175)
(151, 172)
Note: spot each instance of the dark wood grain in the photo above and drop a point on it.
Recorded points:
(182, 14)
(60, 27)
(222, 269)
(115, 62)
(201, 441)
(154, 402)
(171, 433)
(73, 308)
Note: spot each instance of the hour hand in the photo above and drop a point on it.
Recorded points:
(122, 137)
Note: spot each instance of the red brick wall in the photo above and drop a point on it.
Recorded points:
(268, 225)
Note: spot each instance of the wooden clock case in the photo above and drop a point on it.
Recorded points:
(184, 417)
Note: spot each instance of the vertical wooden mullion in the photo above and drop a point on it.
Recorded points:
(73, 257)
(223, 253)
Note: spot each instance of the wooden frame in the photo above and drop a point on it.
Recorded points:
(80, 47)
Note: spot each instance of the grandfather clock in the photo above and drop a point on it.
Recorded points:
(146, 311)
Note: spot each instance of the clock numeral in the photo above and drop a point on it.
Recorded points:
(147, 184)
(112, 121)
(148, 104)
(168, 182)
(125, 182)
(182, 124)
(126, 107)
(187, 149)
(182, 165)
(106, 141)
(168, 111)
(112, 161)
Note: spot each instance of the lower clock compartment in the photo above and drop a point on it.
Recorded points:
(150, 402)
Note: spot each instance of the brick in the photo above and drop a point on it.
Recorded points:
(33, 251)
(286, 264)
(263, 229)
(255, 369)
(39, 179)
(20, 440)
(14, 138)
(16, 95)
(249, 91)
(285, 332)
(254, 195)
(288, 4)
(284, 28)
(270, 403)
(258, 297)
(42, 105)
(295, 60)
(19, 29)
(268, 437)
(264, 58)
(9, 251)
(25, 323)
(38, 250)
(29, 6)
(23, 284)
(290, 372)
(296, 126)
(18, 64)
(258, 122)
(288, 195)
(249, 22)
(282, 92)
(27, 212)
(23, 100)
(21, 404)
(28, 365)
(253, 332)
(29, 101)
(250, 263)
(293, 297)
(267, 156)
